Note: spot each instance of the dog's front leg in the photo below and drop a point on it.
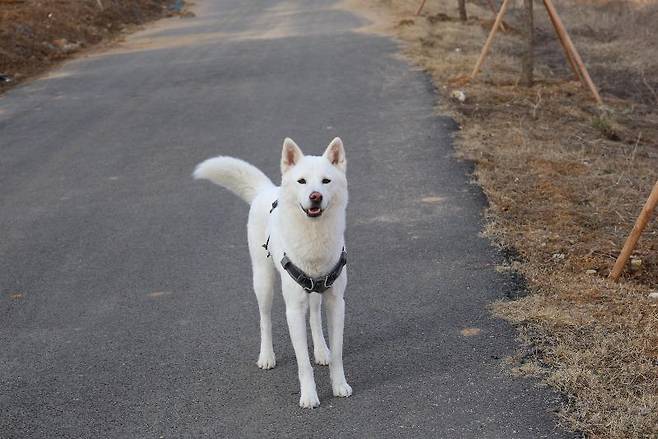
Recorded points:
(336, 322)
(320, 348)
(296, 306)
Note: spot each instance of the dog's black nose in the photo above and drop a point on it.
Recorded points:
(315, 196)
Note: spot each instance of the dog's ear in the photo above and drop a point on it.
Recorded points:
(335, 153)
(291, 155)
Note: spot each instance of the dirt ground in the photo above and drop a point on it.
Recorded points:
(565, 180)
(35, 34)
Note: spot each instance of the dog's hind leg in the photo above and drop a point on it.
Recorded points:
(320, 349)
(264, 275)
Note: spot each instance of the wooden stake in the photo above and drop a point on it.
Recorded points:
(420, 7)
(564, 36)
(487, 45)
(567, 53)
(495, 11)
(632, 239)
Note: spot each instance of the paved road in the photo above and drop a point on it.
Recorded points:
(125, 300)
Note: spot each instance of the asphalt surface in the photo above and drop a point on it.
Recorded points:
(126, 308)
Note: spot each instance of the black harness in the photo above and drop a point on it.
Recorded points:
(314, 284)
(308, 283)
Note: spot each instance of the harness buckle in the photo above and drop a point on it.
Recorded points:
(312, 287)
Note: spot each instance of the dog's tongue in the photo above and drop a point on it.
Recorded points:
(314, 210)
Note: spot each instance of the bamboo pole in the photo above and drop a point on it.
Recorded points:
(420, 7)
(487, 45)
(562, 33)
(634, 236)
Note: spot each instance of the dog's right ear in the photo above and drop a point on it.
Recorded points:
(291, 155)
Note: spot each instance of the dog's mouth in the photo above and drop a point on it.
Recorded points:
(313, 211)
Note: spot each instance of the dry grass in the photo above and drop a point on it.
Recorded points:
(565, 181)
(35, 34)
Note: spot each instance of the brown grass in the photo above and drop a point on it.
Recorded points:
(35, 34)
(565, 181)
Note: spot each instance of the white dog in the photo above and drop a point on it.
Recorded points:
(297, 229)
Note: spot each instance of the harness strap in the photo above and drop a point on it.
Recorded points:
(314, 284)
(267, 243)
(308, 283)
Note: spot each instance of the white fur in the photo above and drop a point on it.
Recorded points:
(241, 178)
(313, 244)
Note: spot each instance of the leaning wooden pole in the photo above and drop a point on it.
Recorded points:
(565, 48)
(492, 6)
(420, 7)
(487, 44)
(632, 239)
(562, 34)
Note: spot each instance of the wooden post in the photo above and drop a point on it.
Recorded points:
(487, 45)
(632, 239)
(564, 36)
(528, 64)
(420, 7)
(462, 10)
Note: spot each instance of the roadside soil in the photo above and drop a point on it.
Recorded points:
(36, 34)
(565, 180)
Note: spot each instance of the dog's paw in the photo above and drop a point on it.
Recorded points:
(266, 361)
(322, 356)
(309, 400)
(342, 389)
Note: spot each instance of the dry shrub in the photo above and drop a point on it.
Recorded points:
(565, 181)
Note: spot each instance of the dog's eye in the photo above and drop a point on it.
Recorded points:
(325, 181)
(301, 181)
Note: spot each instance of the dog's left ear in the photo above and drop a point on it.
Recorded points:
(335, 153)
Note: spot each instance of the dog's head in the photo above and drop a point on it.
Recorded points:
(314, 183)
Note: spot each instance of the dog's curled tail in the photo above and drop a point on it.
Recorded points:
(236, 175)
